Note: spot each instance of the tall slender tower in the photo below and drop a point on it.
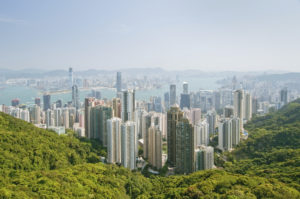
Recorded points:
(75, 97)
(185, 147)
(114, 140)
(225, 135)
(119, 82)
(172, 94)
(128, 145)
(239, 106)
(173, 116)
(155, 147)
(284, 96)
(185, 86)
(248, 107)
(47, 101)
(146, 124)
(128, 105)
(71, 81)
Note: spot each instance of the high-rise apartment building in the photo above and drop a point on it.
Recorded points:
(239, 101)
(211, 118)
(173, 116)
(225, 135)
(114, 140)
(195, 115)
(98, 127)
(128, 105)
(35, 114)
(116, 105)
(128, 145)
(235, 131)
(155, 147)
(185, 147)
(248, 107)
(204, 158)
(146, 124)
(202, 133)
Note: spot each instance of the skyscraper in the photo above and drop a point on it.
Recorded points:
(65, 118)
(35, 114)
(47, 101)
(114, 140)
(146, 124)
(173, 116)
(248, 107)
(255, 105)
(211, 118)
(128, 145)
(228, 112)
(15, 102)
(155, 147)
(75, 97)
(37, 101)
(204, 158)
(167, 101)
(225, 135)
(128, 105)
(217, 100)
(172, 94)
(239, 106)
(185, 147)
(185, 101)
(185, 86)
(195, 116)
(235, 131)
(116, 105)
(119, 82)
(202, 133)
(283, 96)
(49, 118)
(98, 127)
(71, 77)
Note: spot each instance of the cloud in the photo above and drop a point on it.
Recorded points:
(12, 21)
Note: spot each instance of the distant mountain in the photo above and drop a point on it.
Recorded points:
(280, 77)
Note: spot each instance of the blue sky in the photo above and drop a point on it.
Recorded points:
(209, 35)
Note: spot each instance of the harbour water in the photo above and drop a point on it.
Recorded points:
(27, 94)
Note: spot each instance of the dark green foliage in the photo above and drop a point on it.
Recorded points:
(36, 163)
(25, 147)
(273, 147)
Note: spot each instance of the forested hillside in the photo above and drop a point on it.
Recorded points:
(273, 147)
(36, 163)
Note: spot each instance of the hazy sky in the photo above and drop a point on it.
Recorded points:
(188, 34)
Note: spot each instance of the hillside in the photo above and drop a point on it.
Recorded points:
(38, 163)
(273, 147)
(25, 147)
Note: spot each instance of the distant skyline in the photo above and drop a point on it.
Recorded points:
(211, 35)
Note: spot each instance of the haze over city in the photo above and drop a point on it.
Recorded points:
(212, 35)
(128, 99)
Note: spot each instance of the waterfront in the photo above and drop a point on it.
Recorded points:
(27, 94)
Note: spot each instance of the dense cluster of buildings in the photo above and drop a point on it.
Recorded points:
(185, 124)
